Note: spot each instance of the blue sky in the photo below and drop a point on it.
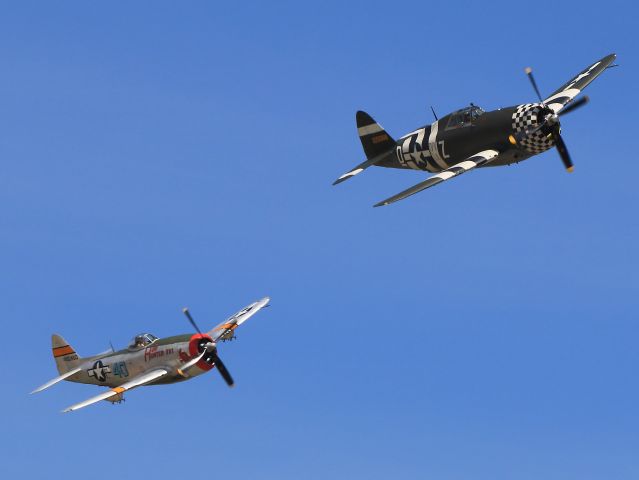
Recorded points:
(163, 154)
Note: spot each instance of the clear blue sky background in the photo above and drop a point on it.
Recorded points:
(162, 154)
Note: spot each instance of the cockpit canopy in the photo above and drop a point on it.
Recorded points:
(142, 340)
(464, 117)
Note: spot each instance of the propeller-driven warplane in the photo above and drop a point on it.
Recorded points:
(471, 137)
(148, 360)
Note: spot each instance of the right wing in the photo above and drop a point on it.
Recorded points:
(224, 330)
(476, 160)
(140, 380)
(564, 95)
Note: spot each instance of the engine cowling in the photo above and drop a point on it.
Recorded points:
(525, 118)
(197, 345)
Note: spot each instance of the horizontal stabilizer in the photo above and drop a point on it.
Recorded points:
(476, 160)
(362, 166)
(50, 383)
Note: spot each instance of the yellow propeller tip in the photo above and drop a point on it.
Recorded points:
(528, 70)
(512, 140)
(570, 169)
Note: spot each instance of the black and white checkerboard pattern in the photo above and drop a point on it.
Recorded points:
(525, 118)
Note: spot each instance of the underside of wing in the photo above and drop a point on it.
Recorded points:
(224, 331)
(138, 381)
(564, 95)
(474, 161)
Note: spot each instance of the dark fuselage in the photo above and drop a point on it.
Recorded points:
(451, 140)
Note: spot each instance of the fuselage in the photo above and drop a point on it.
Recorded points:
(461, 134)
(116, 368)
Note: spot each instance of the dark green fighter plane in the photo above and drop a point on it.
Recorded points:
(471, 137)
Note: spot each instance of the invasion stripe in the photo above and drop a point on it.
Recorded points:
(432, 146)
(557, 101)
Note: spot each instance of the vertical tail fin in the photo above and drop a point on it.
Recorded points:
(375, 140)
(378, 145)
(64, 355)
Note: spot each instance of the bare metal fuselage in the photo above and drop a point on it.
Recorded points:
(112, 370)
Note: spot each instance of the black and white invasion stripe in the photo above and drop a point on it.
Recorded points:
(476, 160)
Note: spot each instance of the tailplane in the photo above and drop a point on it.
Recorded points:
(66, 359)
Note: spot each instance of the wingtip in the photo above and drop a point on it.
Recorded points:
(265, 301)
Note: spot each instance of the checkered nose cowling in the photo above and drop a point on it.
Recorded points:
(527, 117)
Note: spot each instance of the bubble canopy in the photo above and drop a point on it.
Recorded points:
(464, 117)
(142, 340)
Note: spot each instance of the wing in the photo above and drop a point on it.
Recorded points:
(561, 97)
(476, 160)
(224, 330)
(138, 381)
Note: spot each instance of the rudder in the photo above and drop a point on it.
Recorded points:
(64, 355)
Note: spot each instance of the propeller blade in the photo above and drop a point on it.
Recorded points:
(188, 315)
(574, 105)
(222, 369)
(563, 151)
(528, 71)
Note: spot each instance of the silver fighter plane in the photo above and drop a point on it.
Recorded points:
(148, 359)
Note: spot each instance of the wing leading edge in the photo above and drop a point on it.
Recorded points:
(224, 330)
(138, 381)
(564, 95)
(474, 161)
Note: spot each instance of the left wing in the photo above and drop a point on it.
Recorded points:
(140, 380)
(476, 160)
(561, 97)
(224, 330)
